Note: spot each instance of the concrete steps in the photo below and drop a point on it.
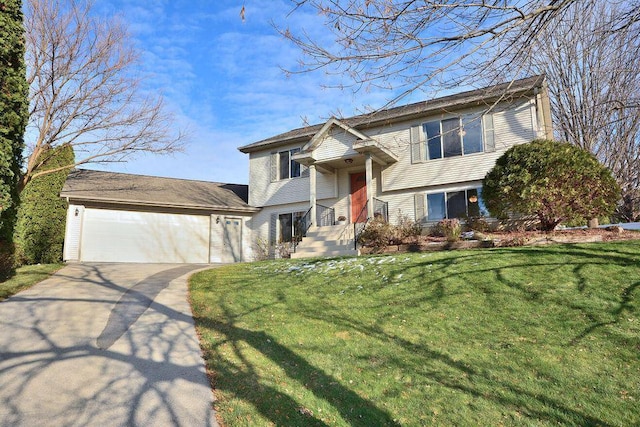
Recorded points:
(331, 241)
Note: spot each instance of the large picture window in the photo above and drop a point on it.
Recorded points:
(457, 136)
(455, 204)
(288, 168)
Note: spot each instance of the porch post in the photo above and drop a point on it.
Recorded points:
(368, 164)
(312, 194)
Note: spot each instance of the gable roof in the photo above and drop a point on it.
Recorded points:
(318, 136)
(140, 190)
(484, 96)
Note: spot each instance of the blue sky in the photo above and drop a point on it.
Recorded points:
(223, 79)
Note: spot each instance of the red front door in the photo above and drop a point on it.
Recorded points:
(358, 197)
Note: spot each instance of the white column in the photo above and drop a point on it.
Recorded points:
(368, 164)
(312, 195)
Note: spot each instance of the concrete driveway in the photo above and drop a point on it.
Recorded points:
(103, 345)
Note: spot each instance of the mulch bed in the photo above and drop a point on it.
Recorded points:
(510, 238)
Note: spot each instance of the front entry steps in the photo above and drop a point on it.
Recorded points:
(329, 241)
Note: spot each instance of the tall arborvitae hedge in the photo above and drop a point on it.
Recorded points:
(14, 93)
(39, 232)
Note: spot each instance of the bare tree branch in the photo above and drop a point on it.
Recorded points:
(594, 88)
(86, 91)
(406, 45)
(589, 50)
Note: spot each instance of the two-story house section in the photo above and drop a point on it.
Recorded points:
(424, 160)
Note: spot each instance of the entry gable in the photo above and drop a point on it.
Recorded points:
(333, 141)
(328, 145)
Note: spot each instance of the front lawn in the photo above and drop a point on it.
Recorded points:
(25, 277)
(511, 336)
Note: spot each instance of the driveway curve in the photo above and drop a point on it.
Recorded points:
(103, 344)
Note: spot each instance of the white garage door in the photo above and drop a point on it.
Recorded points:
(128, 236)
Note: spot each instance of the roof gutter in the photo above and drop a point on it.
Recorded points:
(120, 202)
(438, 104)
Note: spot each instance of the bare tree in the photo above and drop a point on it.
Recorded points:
(428, 44)
(592, 63)
(589, 50)
(86, 91)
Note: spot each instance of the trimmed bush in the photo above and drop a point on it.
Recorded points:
(39, 233)
(14, 103)
(555, 181)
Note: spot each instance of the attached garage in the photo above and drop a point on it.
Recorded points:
(131, 218)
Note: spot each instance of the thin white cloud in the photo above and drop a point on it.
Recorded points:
(223, 77)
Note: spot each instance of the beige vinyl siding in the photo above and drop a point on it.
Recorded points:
(219, 251)
(403, 202)
(73, 232)
(264, 192)
(400, 203)
(260, 223)
(337, 144)
(511, 126)
(397, 183)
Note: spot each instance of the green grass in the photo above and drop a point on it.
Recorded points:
(514, 336)
(26, 277)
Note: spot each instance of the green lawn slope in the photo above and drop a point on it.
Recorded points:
(515, 336)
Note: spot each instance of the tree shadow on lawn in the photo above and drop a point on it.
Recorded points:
(244, 381)
(545, 256)
(479, 382)
(477, 379)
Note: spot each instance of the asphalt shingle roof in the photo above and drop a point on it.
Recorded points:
(123, 188)
(484, 95)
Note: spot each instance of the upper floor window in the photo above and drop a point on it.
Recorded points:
(284, 167)
(453, 137)
(289, 168)
(456, 136)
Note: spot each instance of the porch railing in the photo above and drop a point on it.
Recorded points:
(360, 223)
(326, 216)
(380, 209)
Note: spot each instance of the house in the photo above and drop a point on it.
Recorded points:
(117, 217)
(425, 161)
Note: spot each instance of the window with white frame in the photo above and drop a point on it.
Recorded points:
(456, 136)
(455, 204)
(287, 167)
(290, 226)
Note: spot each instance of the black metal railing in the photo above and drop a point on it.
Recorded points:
(326, 215)
(381, 209)
(359, 223)
(301, 228)
(305, 223)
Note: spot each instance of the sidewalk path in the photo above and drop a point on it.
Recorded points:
(103, 345)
